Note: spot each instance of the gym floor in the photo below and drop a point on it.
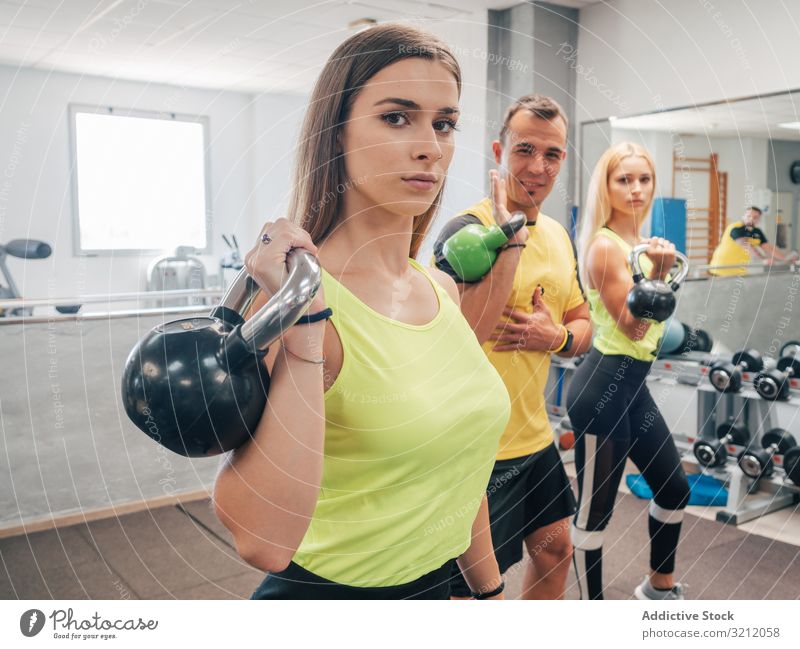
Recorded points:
(183, 552)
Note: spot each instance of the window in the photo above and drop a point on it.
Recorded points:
(139, 181)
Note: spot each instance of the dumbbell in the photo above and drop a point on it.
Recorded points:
(759, 463)
(791, 464)
(774, 384)
(699, 339)
(711, 453)
(727, 377)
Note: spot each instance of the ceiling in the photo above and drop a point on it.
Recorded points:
(247, 45)
(757, 117)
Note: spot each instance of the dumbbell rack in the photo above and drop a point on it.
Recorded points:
(748, 498)
(692, 407)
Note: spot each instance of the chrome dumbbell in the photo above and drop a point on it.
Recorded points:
(714, 452)
(774, 384)
(759, 463)
(727, 377)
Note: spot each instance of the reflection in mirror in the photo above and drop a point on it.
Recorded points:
(720, 159)
(713, 162)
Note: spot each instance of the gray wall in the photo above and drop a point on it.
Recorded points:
(760, 310)
(535, 45)
(780, 156)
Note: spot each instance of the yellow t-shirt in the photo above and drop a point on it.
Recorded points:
(547, 260)
(730, 253)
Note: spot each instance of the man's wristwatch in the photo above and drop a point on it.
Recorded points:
(565, 346)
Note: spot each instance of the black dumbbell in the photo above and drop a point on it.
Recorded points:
(727, 377)
(703, 343)
(774, 384)
(791, 464)
(758, 463)
(711, 453)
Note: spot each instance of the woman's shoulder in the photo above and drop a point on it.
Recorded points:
(604, 253)
(446, 282)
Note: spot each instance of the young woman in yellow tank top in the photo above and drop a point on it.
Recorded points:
(609, 405)
(366, 476)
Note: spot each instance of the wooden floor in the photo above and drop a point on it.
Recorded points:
(182, 551)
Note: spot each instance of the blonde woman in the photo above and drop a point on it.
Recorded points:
(609, 405)
(367, 473)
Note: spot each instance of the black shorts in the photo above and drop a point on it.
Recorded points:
(298, 583)
(525, 494)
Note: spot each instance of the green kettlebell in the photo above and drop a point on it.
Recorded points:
(473, 249)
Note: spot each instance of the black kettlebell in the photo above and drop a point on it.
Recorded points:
(654, 299)
(198, 386)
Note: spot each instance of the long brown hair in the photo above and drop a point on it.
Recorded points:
(319, 177)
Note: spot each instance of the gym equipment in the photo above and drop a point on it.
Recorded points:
(759, 463)
(704, 341)
(791, 464)
(177, 272)
(232, 260)
(198, 386)
(472, 250)
(727, 377)
(679, 338)
(654, 299)
(774, 384)
(713, 453)
(24, 249)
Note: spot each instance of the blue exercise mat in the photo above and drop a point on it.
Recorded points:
(705, 490)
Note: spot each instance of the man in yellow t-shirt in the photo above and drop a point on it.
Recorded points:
(741, 241)
(528, 306)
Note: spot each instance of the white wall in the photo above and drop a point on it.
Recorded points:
(35, 157)
(276, 122)
(252, 145)
(644, 56)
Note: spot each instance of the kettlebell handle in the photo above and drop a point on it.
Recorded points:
(638, 276)
(283, 309)
(514, 224)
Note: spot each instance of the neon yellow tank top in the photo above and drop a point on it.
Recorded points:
(413, 423)
(608, 339)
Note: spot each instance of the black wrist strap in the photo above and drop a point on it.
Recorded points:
(493, 593)
(514, 245)
(316, 317)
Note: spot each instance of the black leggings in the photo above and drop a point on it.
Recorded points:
(615, 418)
